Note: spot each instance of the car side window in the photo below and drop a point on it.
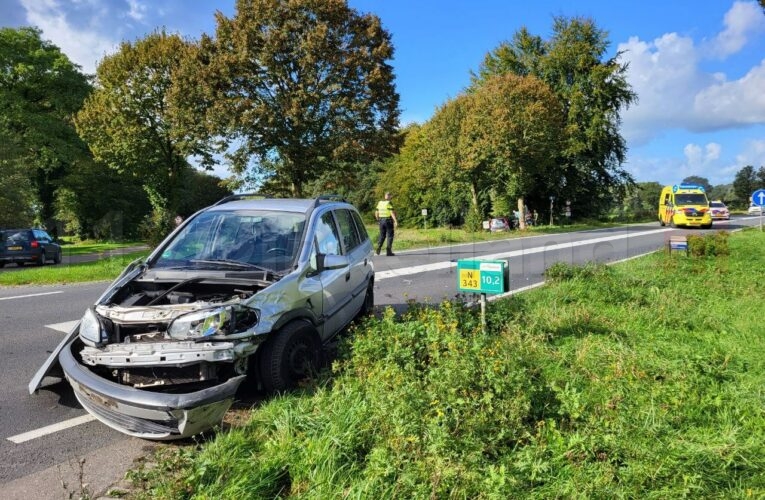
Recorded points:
(362, 230)
(347, 230)
(327, 236)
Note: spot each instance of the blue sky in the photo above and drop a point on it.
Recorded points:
(698, 67)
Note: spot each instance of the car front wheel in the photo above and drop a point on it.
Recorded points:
(57, 258)
(289, 356)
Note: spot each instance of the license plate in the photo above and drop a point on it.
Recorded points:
(14, 248)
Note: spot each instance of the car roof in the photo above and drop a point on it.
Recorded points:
(302, 205)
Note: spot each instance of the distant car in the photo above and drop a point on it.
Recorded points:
(247, 288)
(754, 210)
(28, 245)
(719, 210)
(499, 224)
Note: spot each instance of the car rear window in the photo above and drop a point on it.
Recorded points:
(17, 236)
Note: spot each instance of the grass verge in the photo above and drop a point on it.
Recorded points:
(640, 380)
(88, 247)
(102, 270)
(410, 238)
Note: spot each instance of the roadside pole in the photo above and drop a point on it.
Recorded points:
(758, 198)
(483, 276)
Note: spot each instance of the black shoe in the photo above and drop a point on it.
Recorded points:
(390, 254)
(377, 251)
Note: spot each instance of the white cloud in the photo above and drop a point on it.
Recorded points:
(735, 103)
(698, 158)
(741, 21)
(665, 76)
(674, 92)
(137, 10)
(753, 154)
(84, 46)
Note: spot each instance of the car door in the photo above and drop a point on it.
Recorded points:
(358, 254)
(334, 282)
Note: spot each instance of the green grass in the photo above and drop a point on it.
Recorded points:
(641, 380)
(102, 270)
(88, 247)
(411, 238)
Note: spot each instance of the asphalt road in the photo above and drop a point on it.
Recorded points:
(35, 458)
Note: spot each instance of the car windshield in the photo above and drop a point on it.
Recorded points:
(690, 199)
(236, 240)
(718, 204)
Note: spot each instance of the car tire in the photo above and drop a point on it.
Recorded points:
(41, 260)
(661, 222)
(291, 354)
(57, 258)
(368, 307)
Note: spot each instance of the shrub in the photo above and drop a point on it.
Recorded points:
(708, 245)
(563, 271)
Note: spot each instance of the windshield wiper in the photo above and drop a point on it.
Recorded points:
(231, 263)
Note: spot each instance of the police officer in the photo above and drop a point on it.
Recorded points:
(386, 217)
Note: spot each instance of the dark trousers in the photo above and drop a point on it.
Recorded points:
(386, 230)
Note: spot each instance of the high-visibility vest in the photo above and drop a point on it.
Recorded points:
(384, 209)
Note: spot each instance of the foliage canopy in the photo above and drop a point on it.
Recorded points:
(592, 89)
(294, 88)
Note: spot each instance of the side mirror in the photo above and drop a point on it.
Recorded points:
(336, 262)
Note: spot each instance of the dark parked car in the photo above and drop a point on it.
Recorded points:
(28, 245)
(245, 289)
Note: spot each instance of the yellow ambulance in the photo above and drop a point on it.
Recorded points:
(684, 205)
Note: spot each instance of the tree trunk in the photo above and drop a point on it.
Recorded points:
(521, 213)
(474, 195)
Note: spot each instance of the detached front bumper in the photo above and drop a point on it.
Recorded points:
(146, 414)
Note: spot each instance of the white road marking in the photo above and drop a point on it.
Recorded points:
(65, 327)
(30, 295)
(381, 275)
(50, 429)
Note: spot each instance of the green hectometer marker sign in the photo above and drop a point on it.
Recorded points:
(482, 276)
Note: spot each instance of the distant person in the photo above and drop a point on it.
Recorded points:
(386, 218)
(536, 217)
(178, 220)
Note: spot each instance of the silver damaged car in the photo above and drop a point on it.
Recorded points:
(246, 290)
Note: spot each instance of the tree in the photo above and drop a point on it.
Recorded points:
(129, 124)
(40, 89)
(294, 87)
(699, 181)
(511, 134)
(745, 183)
(95, 201)
(16, 192)
(723, 192)
(640, 202)
(593, 92)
